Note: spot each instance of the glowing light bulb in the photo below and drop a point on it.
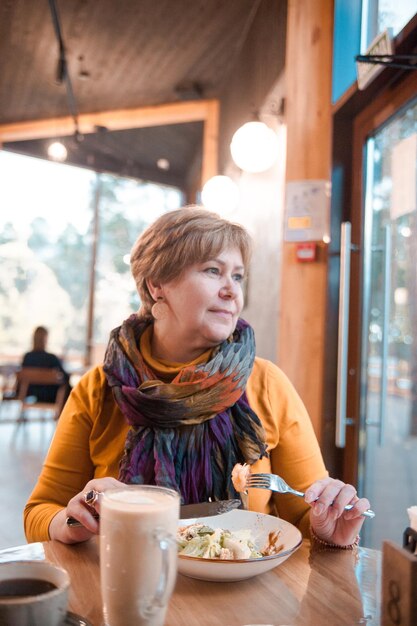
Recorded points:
(220, 193)
(57, 151)
(163, 164)
(254, 147)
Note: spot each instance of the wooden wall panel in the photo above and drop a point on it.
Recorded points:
(301, 350)
(258, 67)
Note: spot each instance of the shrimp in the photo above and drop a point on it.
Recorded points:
(240, 474)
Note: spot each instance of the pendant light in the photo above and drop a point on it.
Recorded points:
(221, 194)
(254, 147)
(57, 151)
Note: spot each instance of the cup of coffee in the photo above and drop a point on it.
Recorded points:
(138, 553)
(33, 593)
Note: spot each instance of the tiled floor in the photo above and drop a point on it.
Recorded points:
(22, 450)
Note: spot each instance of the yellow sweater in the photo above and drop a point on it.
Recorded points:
(91, 432)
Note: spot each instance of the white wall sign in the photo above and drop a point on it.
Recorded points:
(307, 211)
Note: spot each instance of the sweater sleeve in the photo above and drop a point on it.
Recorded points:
(68, 465)
(297, 457)
(294, 451)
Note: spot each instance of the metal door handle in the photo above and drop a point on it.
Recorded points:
(385, 334)
(343, 336)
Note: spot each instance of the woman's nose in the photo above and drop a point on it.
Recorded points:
(229, 288)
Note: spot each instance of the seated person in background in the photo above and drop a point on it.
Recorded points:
(39, 357)
(181, 398)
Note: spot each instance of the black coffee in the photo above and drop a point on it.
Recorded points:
(19, 587)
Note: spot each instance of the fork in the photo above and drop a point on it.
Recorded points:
(278, 484)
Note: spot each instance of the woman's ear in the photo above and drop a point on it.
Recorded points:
(154, 289)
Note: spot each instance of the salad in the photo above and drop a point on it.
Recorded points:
(202, 541)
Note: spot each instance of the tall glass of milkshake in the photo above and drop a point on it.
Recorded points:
(138, 553)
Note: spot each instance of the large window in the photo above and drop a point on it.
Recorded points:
(378, 15)
(356, 24)
(126, 207)
(65, 238)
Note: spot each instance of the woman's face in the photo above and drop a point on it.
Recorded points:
(203, 305)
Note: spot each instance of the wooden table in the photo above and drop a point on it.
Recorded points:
(331, 588)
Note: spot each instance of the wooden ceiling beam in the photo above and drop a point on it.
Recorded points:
(210, 160)
(122, 119)
(206, 111)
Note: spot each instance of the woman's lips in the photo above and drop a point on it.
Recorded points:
(222, 312)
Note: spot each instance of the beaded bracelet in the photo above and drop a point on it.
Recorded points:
(333, 546)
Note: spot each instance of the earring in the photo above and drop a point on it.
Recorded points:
(159, 309)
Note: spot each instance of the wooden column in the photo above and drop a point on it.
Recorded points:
(301, 336)
(210, 164)
(88, 357)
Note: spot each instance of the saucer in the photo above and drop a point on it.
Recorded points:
(72, 619)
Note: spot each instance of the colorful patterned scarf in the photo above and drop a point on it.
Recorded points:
(189, 433)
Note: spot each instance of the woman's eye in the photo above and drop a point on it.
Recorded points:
(239, 278)
(212, 270)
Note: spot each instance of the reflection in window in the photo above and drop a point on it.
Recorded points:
(394, 203)
(47, 232)
(378, 15)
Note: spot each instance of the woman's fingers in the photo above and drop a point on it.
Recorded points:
(85, 506)
(84, 510)
(330, 496)
(314, 492)
(360, 505)
(337, 496)
(58, 529)
(102, 484)
(329, 519)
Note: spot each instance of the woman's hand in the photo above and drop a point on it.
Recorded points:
(81, 511)
(329, 521)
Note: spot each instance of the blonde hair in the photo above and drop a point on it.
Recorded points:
(179, 239)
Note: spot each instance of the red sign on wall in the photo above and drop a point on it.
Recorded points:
(306, 252)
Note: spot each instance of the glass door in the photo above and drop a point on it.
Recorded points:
(388, 404)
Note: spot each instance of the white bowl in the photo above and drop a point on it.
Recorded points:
(260, 526)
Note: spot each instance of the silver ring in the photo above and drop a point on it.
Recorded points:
(91, 497)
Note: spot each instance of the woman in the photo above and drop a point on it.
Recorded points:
(39, 357)
(182, 398)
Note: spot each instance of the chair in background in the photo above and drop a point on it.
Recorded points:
(8, 380)
(45, 377)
